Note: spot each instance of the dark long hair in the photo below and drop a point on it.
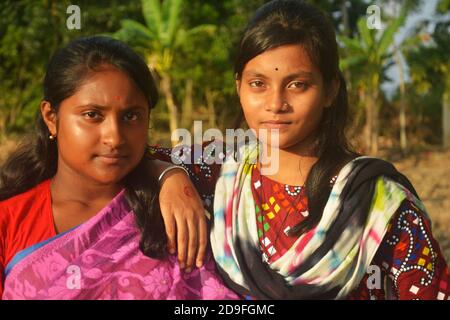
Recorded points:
(286, 22)
(36, 159)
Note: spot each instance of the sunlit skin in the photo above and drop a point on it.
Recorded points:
(101, 133)
(282, 89)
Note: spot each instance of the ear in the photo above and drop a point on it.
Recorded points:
(332, 91)
(238, 87)
(49, 116)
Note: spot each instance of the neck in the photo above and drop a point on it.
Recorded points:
(70, 186)
(296, 160)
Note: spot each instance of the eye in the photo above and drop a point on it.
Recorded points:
(131, 116)
(92, 115)
(298, 85)
(256, 84)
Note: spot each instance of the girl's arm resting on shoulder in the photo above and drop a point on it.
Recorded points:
(180, 202)
(183, 214)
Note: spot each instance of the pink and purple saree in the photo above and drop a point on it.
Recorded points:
(100, 259)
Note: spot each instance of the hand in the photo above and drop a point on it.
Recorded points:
(184, 219)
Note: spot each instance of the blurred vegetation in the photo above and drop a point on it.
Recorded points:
(191, 45)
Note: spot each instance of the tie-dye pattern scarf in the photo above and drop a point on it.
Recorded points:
(313, 267)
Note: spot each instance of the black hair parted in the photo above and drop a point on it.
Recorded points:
(72, 64)
(36, 159)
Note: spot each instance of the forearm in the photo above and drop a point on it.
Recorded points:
(161, 170)
(203, 176)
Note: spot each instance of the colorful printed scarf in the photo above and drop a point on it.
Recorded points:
(327, 262)
(101, 259)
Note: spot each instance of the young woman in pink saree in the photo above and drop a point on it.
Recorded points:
(79, 213)
(101, 259)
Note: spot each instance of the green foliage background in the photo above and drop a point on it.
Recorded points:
(201, 72)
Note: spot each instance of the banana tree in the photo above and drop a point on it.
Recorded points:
(158, 40)
(369, 52)
(400, 50)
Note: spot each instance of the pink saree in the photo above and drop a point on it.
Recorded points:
(100, 259)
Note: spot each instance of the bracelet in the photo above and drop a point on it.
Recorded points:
(171, 168)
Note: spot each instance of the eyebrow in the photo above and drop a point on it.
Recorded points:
(294, 75)
(100, 107)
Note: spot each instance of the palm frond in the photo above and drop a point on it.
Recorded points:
(351, 45)
(173, 18)
(387, 37)
(366, 34)
(136, 35)
(151, 9)
(352, 61)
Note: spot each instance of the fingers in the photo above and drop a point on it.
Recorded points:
(182, 238)
(171, 229)
(185, 224)
(192, 247)
(202, 242)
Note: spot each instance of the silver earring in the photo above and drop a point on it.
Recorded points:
(52, 137)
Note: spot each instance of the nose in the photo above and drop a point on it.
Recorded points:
(113, 135)
(275, 101)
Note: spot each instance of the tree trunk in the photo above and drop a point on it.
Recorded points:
(373, 97)
(166, 88)
(211, 109)
(345, 18)
(402, 113)
(372, 122)
(446, 118)
(186, 121)
(369, 122)
(375, 125)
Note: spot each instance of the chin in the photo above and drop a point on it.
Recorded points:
(107, 181)
(110, 178)
(282, 143)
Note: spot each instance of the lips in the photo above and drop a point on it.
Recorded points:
(112, 158)
(276, 124)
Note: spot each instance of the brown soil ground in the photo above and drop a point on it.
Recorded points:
(429, 172)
